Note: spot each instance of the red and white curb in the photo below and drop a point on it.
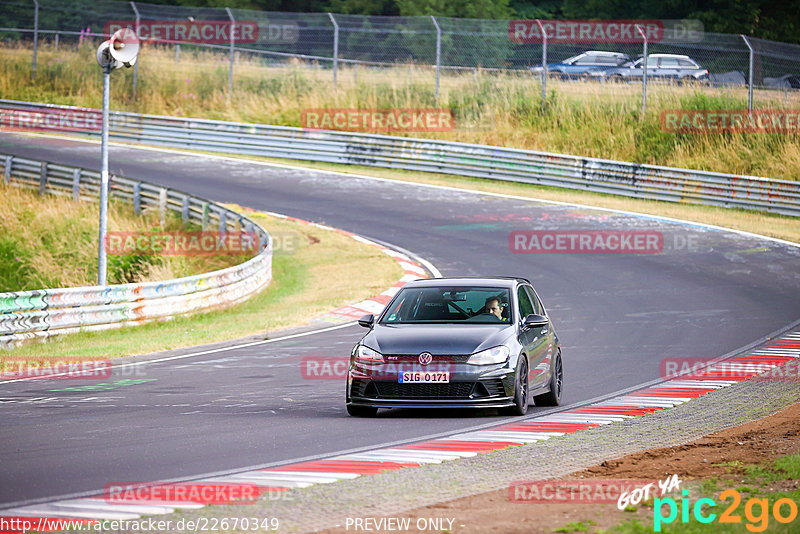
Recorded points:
(347, 466)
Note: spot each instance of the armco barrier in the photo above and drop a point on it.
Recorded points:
(46, 312)
(573, 172)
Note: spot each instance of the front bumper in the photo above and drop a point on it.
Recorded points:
(470, 386)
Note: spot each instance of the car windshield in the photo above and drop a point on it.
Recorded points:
(487, 305)
(572, 59)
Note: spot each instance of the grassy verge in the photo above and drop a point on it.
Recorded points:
(758, 487)
(49, 241)
(325, 271)
(504, 109)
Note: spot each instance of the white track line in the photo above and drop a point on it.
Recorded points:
(204, 352)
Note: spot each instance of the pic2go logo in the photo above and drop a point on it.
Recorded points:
(756, 511)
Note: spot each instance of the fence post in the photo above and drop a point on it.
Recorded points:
(76, 185)
(177, 53)
(204, 223)
(438, 54)
(248, 237)
(137, 198)
(355, 73)
(185, 209)
(35, 35)
(644, 71)
(43, 179)
(233, 52)
(7, 169)
(135, 65)
(223, 221)
(544, 62)
(56, 41)
(335, 49)
(750, 77)
(162, 206)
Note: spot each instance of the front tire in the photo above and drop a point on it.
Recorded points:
(553, 397)
(521, 400)
(361, 411)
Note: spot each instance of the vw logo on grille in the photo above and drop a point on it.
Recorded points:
(425, 358)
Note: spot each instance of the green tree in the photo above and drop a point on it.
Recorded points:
(363, 7)
(480, 9)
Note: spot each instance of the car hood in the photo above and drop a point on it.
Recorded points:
(436, 338)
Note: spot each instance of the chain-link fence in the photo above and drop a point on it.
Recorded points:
(330, 41)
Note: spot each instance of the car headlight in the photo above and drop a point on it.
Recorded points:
(489, 356)
(366, 354)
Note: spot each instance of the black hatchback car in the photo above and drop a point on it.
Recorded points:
(457, 342)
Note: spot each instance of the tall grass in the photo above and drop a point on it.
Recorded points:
(592, 119)
(48, 241)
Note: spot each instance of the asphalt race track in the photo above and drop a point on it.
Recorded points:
(705, 294)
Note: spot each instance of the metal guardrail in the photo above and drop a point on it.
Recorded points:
(482, 161)
(42, 313)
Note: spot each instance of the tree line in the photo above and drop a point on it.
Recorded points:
(778, 20)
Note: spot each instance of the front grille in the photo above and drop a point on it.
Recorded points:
(437, 358)
(440, 391)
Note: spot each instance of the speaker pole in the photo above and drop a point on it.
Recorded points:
(101, 258)
(120, 50)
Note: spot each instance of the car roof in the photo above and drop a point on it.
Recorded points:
(604, 53)
(670, 55)
(502, 281)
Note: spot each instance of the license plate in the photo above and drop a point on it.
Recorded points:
(422, 377)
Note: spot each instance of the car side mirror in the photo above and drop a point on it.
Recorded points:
(367, 320)
(534, 320)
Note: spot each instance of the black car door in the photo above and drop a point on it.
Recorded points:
(547, 337)
(534, 340)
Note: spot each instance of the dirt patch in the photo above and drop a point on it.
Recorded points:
(752, 443)
(716, 455)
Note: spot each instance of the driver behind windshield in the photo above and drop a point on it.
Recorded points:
(495, 307)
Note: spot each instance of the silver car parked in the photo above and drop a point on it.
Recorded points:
(659, 66)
